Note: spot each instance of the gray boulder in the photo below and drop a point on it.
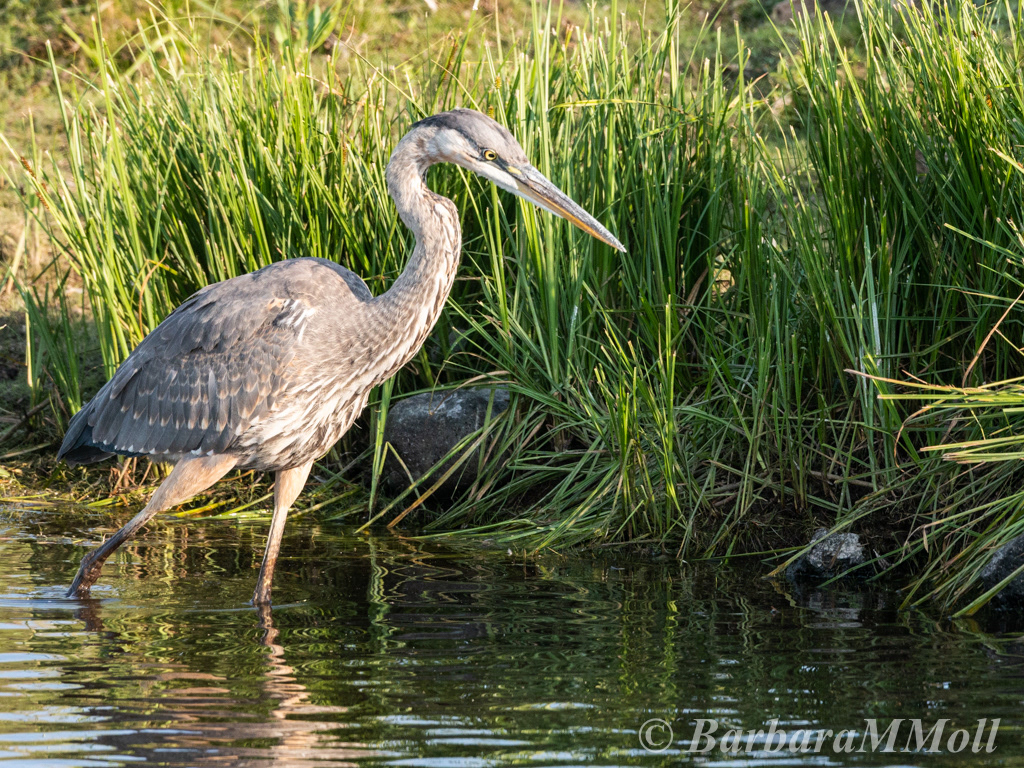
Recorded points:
(1003, 562)
(422, 429)
(831, 556)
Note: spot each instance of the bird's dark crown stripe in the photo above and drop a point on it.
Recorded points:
(449, 121)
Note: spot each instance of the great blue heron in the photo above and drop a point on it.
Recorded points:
(266, 371)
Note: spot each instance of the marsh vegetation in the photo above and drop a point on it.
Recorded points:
(818, 309)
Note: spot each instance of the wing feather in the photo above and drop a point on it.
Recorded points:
(213, 367)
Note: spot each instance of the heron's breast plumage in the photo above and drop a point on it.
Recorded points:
(306, 420)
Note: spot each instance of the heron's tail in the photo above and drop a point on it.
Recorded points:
(78, 447)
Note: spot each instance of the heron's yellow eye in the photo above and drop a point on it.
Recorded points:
(490, 155)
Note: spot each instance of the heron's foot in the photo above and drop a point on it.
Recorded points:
(88, 572)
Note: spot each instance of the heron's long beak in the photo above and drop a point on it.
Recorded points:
(533, 186)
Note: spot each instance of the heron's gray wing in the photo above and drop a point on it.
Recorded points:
(210, 370)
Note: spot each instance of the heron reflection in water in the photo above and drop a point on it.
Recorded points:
(204, 715)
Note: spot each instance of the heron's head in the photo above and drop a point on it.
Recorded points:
(476, 142)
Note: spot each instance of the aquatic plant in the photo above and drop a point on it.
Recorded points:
(714, 392)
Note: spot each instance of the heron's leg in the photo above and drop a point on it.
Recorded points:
(287, 487)
(190, 476)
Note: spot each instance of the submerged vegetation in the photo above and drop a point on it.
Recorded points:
(812, 258)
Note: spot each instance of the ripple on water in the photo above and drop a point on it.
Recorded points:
(384, 652)
(24, 658)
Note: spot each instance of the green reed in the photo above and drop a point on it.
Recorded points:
(715, 390)
(911, 250)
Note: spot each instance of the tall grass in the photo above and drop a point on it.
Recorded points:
(914, 147)
(694, 394)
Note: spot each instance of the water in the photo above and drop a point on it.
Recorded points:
(382, 651)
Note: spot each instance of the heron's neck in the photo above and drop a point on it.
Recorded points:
(415, 300)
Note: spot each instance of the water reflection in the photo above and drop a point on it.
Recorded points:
(384, 652)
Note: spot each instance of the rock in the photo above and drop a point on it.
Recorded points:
(1003, 562)
(422, 429)
(831, 556)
